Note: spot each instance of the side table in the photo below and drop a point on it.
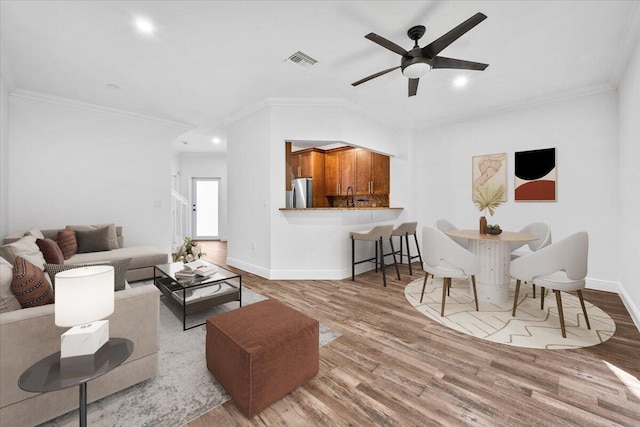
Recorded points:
(47, 375)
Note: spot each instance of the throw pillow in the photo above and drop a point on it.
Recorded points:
(50, 250)
(29, 285)
(113, 235)
(25, 247)
(93, 240)
(8, 301)
(120, 268)
(67, 242)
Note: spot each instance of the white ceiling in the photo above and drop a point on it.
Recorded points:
(208, 60)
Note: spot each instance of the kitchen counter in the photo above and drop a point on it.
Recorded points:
(357, 208)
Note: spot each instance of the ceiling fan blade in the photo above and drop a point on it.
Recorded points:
(386, 44)
(437, 46)
(373, 76)
(413, 86)
(442, 62)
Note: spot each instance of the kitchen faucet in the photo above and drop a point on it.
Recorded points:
(351, 204)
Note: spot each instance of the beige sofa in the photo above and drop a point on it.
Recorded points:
(143, 258)
(28, 335)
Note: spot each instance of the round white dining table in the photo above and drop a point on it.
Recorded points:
(494, 255)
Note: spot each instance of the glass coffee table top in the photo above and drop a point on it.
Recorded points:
(171, 269)
(197, 294)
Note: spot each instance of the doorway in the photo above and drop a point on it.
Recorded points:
(205, 202)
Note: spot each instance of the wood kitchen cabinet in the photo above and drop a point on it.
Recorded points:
(380, 174)
(339, 171)
(371, 172)
(310, 163)
(302, 164)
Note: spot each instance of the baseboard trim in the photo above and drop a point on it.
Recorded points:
(633, 310)
(616, 287)
(250, 268)
(602, 285)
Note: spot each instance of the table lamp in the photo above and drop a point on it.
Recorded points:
(84, 296)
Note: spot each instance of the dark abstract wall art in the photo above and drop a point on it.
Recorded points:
(536, 174)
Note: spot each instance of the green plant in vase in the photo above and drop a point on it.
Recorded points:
(487, 198)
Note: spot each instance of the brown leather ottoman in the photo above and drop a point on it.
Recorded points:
(261, 352)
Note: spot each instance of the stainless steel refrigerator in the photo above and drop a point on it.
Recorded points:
(302, 193)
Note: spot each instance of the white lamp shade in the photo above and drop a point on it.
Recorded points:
(84, 295)
(417, 70)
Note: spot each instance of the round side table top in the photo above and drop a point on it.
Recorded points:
(505, 236)
(47, 374)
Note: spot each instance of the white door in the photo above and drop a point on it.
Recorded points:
(205, 203)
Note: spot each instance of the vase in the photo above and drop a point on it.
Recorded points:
(483, 225)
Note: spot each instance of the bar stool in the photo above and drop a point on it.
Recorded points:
(377, 234)
(405, 229)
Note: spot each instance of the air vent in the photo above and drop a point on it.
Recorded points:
(301, 60)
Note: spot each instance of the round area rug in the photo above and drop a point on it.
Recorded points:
(532, 327)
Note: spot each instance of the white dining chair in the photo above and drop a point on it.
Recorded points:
(561, 266)
(445, 258)
(444, 226)
(539, 229)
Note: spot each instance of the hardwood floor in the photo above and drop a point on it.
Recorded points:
(393, 366)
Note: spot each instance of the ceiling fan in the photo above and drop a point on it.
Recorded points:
(416, 62)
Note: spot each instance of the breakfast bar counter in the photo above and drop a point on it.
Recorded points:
(314, 243)
(357, 208)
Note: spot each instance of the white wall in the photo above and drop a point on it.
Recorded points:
(298, 246)
(256, 189)
(4, 159)
(248, 192)
(71, 164)
(206, 165)
(583, 131)
(629, 190)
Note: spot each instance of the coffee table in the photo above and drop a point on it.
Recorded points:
(197, 294)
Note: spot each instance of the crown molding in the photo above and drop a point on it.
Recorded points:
(80, 105)
(628, 42)
(314, 102)
(523, 105)
(282, 102)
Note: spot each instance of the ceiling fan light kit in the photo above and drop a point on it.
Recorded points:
(416, 70)
(418, 61)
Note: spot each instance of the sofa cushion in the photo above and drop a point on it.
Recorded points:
(29, 284)
(112, 233)
(24, 247)
(35, 232)
(119, 270)
(141, 256)
(67, 241)
(93, 240)
(8, 301)
(51, 251)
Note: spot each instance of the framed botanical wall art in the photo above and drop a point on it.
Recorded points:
(489, 169)
(536, 175)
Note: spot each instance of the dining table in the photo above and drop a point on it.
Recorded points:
(494, 256)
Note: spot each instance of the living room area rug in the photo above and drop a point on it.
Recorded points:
(531, 327)
(183, 389)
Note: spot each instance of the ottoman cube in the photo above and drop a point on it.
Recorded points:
(261, 352)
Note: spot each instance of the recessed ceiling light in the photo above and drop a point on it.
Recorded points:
(460, 81)
(144, 25)
(113, 86)
(216, 140)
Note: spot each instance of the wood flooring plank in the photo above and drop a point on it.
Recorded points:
(394, 366)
